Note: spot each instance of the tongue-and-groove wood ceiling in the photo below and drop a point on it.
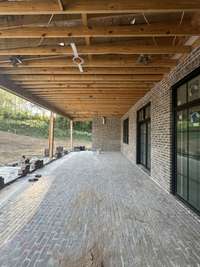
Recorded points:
(127, 47)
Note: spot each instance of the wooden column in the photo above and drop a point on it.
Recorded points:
(51, 135)
(71, 135)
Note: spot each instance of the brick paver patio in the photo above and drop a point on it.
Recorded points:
(96, 210)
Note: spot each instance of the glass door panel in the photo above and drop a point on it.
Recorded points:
(143, 143)
(182, 154)
(144, 136)
(194, 156)
(187, 116)
(149, 145)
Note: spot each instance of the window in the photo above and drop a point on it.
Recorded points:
(144, 136)
(187, 141)
(126, 131)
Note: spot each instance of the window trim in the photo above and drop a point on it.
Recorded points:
(174, 109)
(145, 120)
(126, 131)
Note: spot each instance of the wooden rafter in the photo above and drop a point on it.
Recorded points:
(114, 48)
(67, 78)
(106, 71)
(104, 61)
(86, 84)
(97, 6)
(122, 61)
(156, 29)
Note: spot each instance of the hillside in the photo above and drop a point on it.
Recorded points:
(13, 146)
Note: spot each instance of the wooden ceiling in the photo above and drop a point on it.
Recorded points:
(127, 47)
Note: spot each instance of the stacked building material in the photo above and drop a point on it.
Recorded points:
(79, 148)
(59, 152)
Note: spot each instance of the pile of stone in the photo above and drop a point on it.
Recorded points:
(15, 170)
(79, 148)
(59, 152)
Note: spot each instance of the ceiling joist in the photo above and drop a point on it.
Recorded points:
(86, 84)
(156, 30)
(95, 7)
(104, 61)
(123, 48)
(80, 77)
(105, 71)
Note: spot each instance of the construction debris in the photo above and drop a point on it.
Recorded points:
(33, 179)
(79, 148)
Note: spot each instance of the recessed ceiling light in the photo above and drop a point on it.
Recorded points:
(132, 22)
(62, 44)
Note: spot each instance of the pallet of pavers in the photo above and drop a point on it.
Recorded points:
(35, 164)
(9, 174)
(12, 172)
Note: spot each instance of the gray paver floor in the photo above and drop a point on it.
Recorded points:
(96, 210)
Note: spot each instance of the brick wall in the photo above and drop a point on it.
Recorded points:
(106, 136)
(161, 116)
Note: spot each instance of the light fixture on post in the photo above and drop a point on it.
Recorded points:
(104, 120)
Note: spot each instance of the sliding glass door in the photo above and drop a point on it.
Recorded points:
(187, 162)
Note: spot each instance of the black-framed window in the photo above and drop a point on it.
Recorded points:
(126, 131)
(186, 144)
(144, 136)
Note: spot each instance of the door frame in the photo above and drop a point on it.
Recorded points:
(174, 109)
(146, 121)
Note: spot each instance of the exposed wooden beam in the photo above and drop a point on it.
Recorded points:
(87, 71)
(90, 93)
(156, 30)
(67, 98)
(85, 24)
(92, 108)
(63, 86)
(112, 100)
(78, 109)
(97, 6)
(104, 61)
(88, 84)
(88, 77)
(86, 106)
(128, 48)
(86, 99)
(86, 91)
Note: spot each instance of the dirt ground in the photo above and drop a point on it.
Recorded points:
(13, 146)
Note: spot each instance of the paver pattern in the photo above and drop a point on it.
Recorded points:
(92, 210)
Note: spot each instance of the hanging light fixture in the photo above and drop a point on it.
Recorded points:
(144, 59)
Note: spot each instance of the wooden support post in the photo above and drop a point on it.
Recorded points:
(51, 135)
(71, 135)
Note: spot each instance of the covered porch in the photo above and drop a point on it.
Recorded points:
(92, 209)
(133, 69)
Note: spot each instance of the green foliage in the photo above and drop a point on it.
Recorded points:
(17, 116)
